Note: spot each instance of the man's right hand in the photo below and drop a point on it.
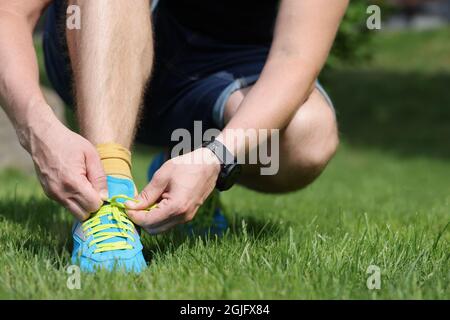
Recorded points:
(68, 167)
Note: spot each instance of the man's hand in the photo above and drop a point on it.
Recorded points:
(179, 187)
(68, 168)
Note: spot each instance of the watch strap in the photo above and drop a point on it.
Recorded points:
(222, 153)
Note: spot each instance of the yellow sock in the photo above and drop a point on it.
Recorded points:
(116, 160)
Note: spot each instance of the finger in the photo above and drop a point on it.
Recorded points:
(169, 224)
(96, 175)
(86, 196)
(146, 219)
(159, 215)
(157, 219)
(79, 213)
(151, 193)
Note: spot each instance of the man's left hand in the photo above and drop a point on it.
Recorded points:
(179, 188)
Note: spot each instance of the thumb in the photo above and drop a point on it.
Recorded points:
(96, 175)
(151, 193)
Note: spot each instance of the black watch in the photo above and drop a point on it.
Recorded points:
(229, 168)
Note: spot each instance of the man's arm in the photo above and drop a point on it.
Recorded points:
(304, 35)
(20, 94)
(67, 165)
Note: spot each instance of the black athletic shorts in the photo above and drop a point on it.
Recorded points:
(193, 75)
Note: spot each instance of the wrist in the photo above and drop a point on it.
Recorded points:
(229, 169)
(37, 119)
(235, 144)
(211, 159)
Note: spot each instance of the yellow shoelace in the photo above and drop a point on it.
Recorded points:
(115, 211)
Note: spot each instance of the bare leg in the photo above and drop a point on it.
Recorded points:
(111, 58)
(306, 146)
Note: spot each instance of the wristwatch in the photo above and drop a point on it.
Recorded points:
(229, 168)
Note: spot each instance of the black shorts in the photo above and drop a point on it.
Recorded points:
(193, 76)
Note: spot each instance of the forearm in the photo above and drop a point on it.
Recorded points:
(303, 37)
(112, 58)
(274, 99)
(20, 93)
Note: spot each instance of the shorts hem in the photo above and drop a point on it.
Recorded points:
(219, 105)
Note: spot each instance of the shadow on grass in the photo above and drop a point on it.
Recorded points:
(43, 220)
(240, 229)
(404, 113)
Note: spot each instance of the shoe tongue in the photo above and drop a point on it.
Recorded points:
(120, 186)
(117, 186)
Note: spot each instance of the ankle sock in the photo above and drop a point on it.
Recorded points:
(116, 160)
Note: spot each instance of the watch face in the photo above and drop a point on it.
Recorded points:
(229, 176)
(230, 170)
(215, 149)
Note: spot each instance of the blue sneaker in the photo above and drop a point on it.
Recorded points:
(108, 239)
(210, 219)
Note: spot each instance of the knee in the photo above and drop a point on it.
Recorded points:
(313, 160)
(298, 168)
(306, 166)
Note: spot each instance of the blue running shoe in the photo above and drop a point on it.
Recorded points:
(210, 219)
(108, 239)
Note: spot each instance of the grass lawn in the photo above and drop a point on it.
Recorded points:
(384, 201)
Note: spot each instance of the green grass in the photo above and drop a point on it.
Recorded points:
(384, 201)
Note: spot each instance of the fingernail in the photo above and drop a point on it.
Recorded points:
(130, 204)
